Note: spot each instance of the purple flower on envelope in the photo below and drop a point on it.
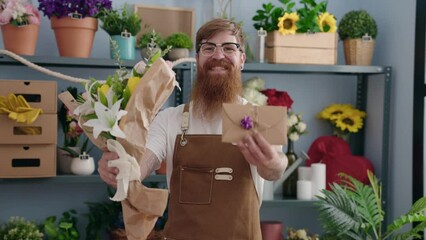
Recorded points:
(247, 122)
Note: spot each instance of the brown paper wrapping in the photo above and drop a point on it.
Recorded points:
(143, 205)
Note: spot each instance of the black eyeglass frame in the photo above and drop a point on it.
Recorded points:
(218, 45)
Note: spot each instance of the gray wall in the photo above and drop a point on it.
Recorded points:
(394, 47)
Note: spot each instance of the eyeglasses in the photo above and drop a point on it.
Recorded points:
(208, 49)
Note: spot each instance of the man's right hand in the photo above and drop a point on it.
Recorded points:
(108, 174)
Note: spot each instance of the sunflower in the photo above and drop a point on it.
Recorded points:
(287, 23)
(327, 22)
(349, 121)
(333, 111)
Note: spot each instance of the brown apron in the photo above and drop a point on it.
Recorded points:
(212, 194)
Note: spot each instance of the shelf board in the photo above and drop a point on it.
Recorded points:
(49, 61)
(279, 202)
(67, 179)
(67, 62)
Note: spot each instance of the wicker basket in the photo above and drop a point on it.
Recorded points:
(358, 51)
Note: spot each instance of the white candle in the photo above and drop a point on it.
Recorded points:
(268, 190)
(304, 173)
(318, 179)
(304, 190)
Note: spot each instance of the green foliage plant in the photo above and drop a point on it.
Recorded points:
(267, 17)
(103, 216)
(19, 228)
(354, 211)
(114, 22)
(179, 40)
(356, 24)
(151, 39)
(64, 229)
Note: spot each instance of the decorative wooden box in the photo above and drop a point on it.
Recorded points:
(301, 48)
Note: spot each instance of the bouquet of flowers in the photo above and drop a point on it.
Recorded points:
(65, 8)
(344, 118)
(254, 92)
(18, 12)
(115, 114)
(312, 17)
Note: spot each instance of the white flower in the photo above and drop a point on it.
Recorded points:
(139, 68)
(301, 127)
(87, 107)
(301, 233)
(107, 120)
(254, 97)
(292, 120)
(255, 83)
(293, 136)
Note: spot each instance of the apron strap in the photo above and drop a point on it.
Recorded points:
(184, 125)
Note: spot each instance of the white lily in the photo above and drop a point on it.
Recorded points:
(107, 120)
(87, 107)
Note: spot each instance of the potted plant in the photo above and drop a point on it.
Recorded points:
(354, 211)
(104, 216)
(180, 44)
(358, 31)
(289, 32)
(74, 23)
(65, 228)
(19, 228)
(20, 24)
(122, 26)
(74, 141)
(151, 41)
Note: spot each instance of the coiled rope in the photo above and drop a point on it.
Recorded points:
(63, 76)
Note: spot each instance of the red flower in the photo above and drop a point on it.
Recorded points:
(278, 98)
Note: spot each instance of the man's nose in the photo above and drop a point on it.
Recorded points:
(218, 54)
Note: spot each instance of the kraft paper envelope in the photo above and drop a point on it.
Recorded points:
(270, 121)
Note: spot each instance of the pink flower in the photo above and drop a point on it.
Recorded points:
(34, 16)
(6, 14)
(18, 12)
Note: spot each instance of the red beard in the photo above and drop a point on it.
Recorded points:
(212, 89)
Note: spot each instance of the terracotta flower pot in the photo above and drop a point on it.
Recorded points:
(74, 36)
(20, 40)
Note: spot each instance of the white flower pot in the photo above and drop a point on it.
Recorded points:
(64, 160)
(83, 166)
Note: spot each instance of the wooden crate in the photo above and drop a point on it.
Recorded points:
(44, 130)
(27, 161)
(317, 48)
(39, 94)
(173, 19)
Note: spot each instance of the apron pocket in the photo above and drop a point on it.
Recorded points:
(195, 185)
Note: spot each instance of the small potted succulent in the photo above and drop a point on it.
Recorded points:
(74, 23)
(122, 25)
(358, 31)
(181, 43)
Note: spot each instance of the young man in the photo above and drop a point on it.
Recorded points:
(215, 188)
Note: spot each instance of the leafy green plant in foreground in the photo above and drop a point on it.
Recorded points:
(354, 211)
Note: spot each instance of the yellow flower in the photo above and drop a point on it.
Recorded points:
(132, 83)
(287, 23)
(327, 22)
(349, 121)
(104, 89)
(333, 111)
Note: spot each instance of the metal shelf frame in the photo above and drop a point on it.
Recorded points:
(186, 72)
